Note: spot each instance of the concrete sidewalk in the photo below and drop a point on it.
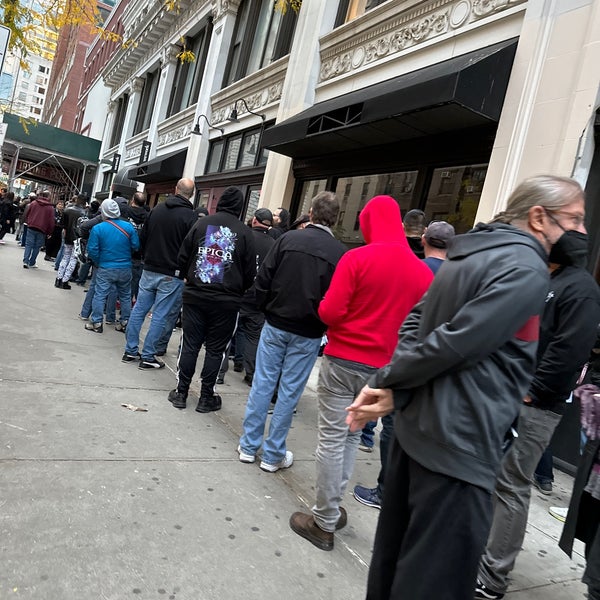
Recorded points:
(100, 502)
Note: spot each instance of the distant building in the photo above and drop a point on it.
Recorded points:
(68, 71)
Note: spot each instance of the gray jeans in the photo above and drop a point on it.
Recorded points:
(512, 495)
(340, 381)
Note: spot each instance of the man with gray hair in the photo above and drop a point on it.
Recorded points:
(457, 379)
(290, 284)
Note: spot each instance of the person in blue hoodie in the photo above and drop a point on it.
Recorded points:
(109, 248)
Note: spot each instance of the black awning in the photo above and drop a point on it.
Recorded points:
(466, 91)
(168, 167)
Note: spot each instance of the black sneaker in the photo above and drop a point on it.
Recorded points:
(177, 399)
(127, 358)
(65, 285)
(151, 363)
(206, 405)
(95, 327)
(483, 592)
(220, 380)
(248, 380)
(238, 367)
(25, 266)
(122, 327)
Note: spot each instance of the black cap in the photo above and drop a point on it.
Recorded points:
(439, 233)
(264, 216)
(231, 201)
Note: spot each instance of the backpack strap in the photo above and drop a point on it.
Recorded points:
(119, 228)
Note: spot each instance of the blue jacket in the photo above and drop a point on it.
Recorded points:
(109, 248)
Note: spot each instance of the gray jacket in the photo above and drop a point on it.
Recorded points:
(466, 353)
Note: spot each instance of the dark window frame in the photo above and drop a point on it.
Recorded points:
(241, 49)
(224, 143)
(121, 111)
(147, 101)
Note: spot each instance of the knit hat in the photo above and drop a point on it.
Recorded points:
(264, 216)
(110, 209)
(439, 233)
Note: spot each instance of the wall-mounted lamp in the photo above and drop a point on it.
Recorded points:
(233, 117)
(196, 129)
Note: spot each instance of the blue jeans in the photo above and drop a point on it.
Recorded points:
(367, 435)
(105, 278)
(161, 292)
(289, 358)
(111, 300)
(35, 240)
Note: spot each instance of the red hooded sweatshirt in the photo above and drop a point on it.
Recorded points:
(373, 289)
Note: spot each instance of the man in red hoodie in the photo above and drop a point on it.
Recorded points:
(39, 217)
(372, 291)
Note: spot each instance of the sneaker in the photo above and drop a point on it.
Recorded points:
(65, 285)
(160, 353)
(238, 367)
(150, 363)
(481, 591)
(122, 327)
(127, 358)
(559, 512)
(206, 405)
(80, 316)
(248, 380)
(545, 487)
(25, 266)
(365, 448)
(245, 458)
(285, 463)
(33, 266)
(220, 380)
(95, 327)
(109, 322)
(367, 496)
(177, 399)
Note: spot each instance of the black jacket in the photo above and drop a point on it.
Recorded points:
(69, 222)
(263, 243)
(137, 216)
(467, 353)
(567, 334)
(163, 233)
(294, 277)
(218, 256)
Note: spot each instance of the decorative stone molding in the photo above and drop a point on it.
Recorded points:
(221, 7)
(259, 90)
(133, 152)
(384, 33)
(174, 135)
(111, 106)
(169, 55)
(136, 85)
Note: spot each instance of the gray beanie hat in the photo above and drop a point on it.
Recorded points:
(110, 209)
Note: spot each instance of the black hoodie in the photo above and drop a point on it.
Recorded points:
(218, 255)
(164, 230)
(467, 353)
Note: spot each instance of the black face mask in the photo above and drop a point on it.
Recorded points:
(571, 248)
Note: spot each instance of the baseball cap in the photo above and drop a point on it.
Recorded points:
(439, 233)
(264, 216)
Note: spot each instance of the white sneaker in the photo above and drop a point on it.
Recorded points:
(285, 463)
(559, 512)
(245, 458)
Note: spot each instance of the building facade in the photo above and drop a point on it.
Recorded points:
(444, 104)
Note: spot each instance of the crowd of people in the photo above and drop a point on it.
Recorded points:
(452, 341)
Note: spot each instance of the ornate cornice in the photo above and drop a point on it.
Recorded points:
(169, 55)
(384, 34)
(221, 7)
(136, 85)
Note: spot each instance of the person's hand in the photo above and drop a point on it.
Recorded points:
(369, 405)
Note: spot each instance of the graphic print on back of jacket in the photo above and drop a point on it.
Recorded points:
(216, 254)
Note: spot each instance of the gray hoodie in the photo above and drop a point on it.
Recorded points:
(467, 353)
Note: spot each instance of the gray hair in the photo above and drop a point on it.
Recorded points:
(324, 209)
(549, 191)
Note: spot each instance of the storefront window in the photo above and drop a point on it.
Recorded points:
(454, 195)
(354, 192)
(309, 190)
(253, 195)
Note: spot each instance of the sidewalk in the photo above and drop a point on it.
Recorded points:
(99, 502)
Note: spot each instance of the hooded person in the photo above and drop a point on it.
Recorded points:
(218, 260)
(360, 342)
(39, 217)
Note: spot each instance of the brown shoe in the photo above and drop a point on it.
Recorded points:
(343, 520)
(304, 525)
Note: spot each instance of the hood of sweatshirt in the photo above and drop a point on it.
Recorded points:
(138, 214)
(177, 201)
(380, 221)
(231, 201)
(492, 235)
(43, 201)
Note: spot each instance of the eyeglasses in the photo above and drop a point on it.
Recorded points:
(576, 219)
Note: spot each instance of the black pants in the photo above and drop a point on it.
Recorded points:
(251, 324)
(431, 533)
(208, 324)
